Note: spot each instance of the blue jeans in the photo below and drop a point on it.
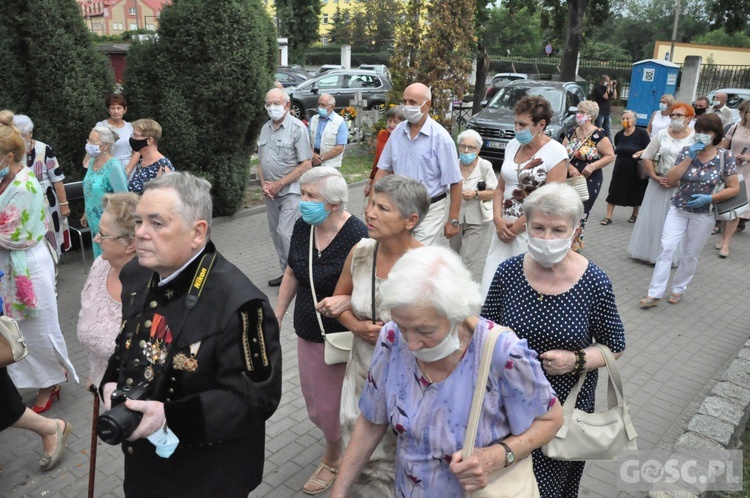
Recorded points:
(605, 123)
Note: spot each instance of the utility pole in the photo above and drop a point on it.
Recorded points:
(674, 29)
(138, 24)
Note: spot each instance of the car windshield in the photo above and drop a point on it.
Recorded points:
(507, 97)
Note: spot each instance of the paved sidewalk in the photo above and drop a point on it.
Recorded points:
(674, 356)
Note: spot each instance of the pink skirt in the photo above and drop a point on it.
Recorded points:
(321, 387)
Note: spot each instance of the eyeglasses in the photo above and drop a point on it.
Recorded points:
(677, 115)
(271, 104)
(109, 237)
(92, 143)
(467, 148)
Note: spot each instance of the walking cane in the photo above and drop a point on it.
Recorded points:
(92, 455)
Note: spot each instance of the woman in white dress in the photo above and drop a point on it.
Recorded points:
(397, 206)
(658, 158)
(531, 160)
(660, 119)
(28, 289)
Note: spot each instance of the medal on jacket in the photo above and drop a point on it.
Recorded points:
(186, 362)
(157, 347)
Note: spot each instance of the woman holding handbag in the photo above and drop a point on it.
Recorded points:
(589, 151)
(421, 385)
(397, 205)
(321, 241)
(560, 303)
(700, 169)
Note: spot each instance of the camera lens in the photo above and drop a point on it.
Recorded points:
(116, 425)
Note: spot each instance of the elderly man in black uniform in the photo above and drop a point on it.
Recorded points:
(198, 349)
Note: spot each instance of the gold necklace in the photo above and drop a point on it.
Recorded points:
(541, 295)
(460, 355)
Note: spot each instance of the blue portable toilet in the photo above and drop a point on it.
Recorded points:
(649, 80)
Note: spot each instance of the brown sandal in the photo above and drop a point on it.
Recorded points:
(315, 479)
(606, 221)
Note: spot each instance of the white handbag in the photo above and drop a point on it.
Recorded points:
(518, 480)
(733, 207)
(12, 343)
(580, 186)
(594, 436)
(337, 344)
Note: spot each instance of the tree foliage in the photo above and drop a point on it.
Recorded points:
(299, 21)
(204, 80)
(732, 15)
(405, 61)
(370, 23)
(721, 38)
(53, 73)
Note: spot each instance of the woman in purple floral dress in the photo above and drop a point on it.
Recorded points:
(422, 378)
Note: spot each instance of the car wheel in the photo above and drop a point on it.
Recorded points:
(378, 106)
(297, 110)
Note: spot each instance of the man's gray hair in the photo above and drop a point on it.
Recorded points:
(554, 199)
(24, 123)
(284, 95)
(409, 196)
(107, 135)
(433, 277)
(470, 135)
(333, 187)
(329, 98)
(194, 194)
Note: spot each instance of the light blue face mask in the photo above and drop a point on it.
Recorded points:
(524, 136)
(323, 112)
(313, 213)
(165, 442)
(5, 170)
(467, 158)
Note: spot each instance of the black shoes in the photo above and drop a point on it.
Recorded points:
(275, 282)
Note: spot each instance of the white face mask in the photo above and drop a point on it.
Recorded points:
(717, 103)
(703, 138)
(276, 112)
(412, 113)
(448, 346)
(677, 124)
(93, 150)
(548, 252)
(663, 107)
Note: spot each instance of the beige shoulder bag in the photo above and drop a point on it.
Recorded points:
(12, 343)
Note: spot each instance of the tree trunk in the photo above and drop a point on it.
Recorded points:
(576, 11)
(482, 65)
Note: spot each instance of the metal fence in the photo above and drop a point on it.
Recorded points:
(712, 76)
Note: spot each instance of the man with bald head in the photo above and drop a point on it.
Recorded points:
(328, 134)
(284, 153)
(422, 149)
(720, 107)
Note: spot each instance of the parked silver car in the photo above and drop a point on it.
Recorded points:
(343, 85)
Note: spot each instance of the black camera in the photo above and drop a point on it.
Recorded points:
(117, 424)
(481, 185)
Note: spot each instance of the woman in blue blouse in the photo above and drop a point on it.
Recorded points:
(698, 169)
(145, 141)
(559, 302)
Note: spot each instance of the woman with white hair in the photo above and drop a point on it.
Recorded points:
(560, 303)
(397, 206)
(322, 238)
(41, 159)
(104, 175)
(476, 205)
(422, 378)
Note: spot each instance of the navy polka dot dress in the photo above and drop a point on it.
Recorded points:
(571, 320)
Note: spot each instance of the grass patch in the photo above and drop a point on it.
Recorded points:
(355, 167)
(745, 493)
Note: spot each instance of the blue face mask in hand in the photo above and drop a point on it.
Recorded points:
(165, 441)
(313, 213)
(467, 158)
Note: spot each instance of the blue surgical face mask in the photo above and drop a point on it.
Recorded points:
(313, 213)
(323, 112)
(467, 158)
(165, 441)
(704, 138)
(5, 170)
(93, 150)
(524, 136)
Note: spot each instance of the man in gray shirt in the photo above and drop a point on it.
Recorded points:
(284, 152)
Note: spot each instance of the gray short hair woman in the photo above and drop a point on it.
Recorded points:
(334, 232)
(397, 206)
(560, 303)
(476, 205)
(422, 378)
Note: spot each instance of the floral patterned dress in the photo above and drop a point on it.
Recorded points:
(42, 160)
(28, 289)
(429, 419)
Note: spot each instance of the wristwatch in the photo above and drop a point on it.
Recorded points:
(454, 222)
(510, 457)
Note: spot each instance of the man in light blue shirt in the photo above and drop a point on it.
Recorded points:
(328, 134)
(422, 149)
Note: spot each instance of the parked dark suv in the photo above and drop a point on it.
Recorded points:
(495, 122)
(343, 86)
